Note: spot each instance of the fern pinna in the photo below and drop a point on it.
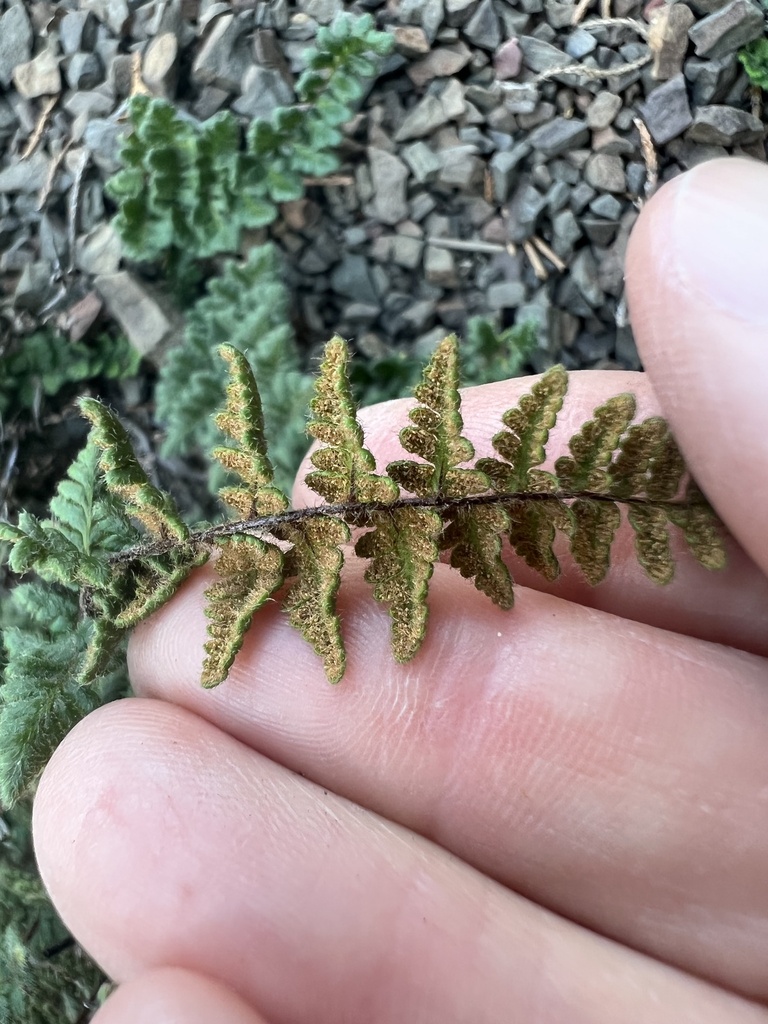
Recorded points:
(436, 504)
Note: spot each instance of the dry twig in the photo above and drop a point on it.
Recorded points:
(650, 159)
(37, 134)
(548, 253)
(52, 172)
(535, 260)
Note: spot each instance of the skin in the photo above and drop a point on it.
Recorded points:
(554, 814)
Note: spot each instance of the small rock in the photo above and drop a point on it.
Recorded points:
(103, 138)
(503, 167)
(559, 136)
(580, 43)
(711, 79)
(458, 11)
(557, 197)
(460, 168)
(523, 212)
(584, 274)
(419, 315)
(668, 39)
(352, 278)
(159, 68)
(606, 206)
(440, 267)
(263, 90)
(728, 29)
(323, 11)
(566, 232)
(77, 31)
(406, 251)
(431, 112)
(427, 13)
(602, 110)
(34, 287)
(76, 321)
(84, 71)
(452, 99)
(100, 251)
(112, 13)
(221, 60)
(598, 231)
(505, 295)
(483, 29)
(718, 125)
(609, 142)
(139, 315)
(28, 175)
(443, 62)
(411, 41)
(389, 176)
(422, 160)
(508, 60)
(667, 112)
(540, 56)
(38, 77)
(519, 97)
(15, 41)
(580, 196)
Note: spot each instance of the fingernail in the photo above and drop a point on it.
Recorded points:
(719, 236)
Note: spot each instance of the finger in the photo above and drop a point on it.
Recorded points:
(578, 758)
(171, 995)
(165, 841)
(728, 607)
(697, 268)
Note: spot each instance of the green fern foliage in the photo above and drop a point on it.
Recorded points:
(192, 188)
(440, 500)
(247, 307)
(754, 58)
(44, 363)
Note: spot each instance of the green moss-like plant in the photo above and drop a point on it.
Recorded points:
(754, 58)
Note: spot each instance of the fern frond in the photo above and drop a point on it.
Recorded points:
(474, 536)
(402, 548)
(316, 561)
(242, 419)
(126, 479)
(436, 435)
(344, 468)
(248, 572)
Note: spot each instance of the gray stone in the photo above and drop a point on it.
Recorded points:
(636, 175)
(422, 161)
(77, 31)
(606, 206)
(139, 315)
(460, 167)
(503, 167)
(559, 136)
(84, 71)
(541, 56)
(505, 295)
(718, 125)
(579, 43)
(323, 11)
(411, 41)
(523, 210)
(113, 13)
(440, 267)
(711, 79)
(668, 39)
(221, 60)
(360, 312)
(602, 110)
(581, 195)
(352, 278)
(38, 77)
(389, 176)
(34, 287)
(584, 274)
(103, 138)
(423, 119)
(160, 67)
(88, 104)
(15, 41)
(100, 251)
(519, 97)
(263, 89)
(483, 29)
(728, 29)
(605, 173)
(427, 13)
(442, 62)
(543, 113)
(419, 315)
(452, 99)
(26, 175)
(667, 112)
(8, 119)
(599, 231)
(406, 251)
(558, 195)
(457, 12)
(610, 142)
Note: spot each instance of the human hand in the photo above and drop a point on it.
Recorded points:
(555, 814)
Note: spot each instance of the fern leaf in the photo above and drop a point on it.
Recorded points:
(666, 470)
(594, 526)
(249, 571)
(522, 445)
(532, 532)
(631, 464)
(344, 468)
(125, 477)
(474, 537)
(402, 549)
(652, 542)
(586, 469)
(701, 528)
(436, 434)
(316, 561)
(242, 419)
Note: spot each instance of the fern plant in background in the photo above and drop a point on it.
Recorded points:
(754, 58)
(188, 190)
(248, 305)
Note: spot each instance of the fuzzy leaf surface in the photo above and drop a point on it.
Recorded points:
(474, 536)
(402, 548)
(586, 469)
